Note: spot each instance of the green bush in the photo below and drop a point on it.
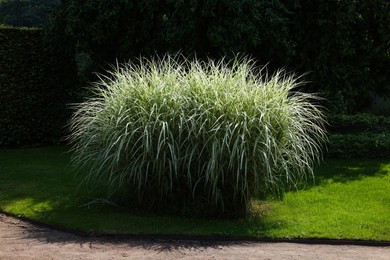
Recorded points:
(358, 123)
(358, 136)
(359, 145)
(205, 137)
(35, 86)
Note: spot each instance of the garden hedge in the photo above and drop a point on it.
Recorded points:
(35, 86)
(358, 123)
(358, 136)
(359, 145)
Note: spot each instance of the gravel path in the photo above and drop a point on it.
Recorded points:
(23, 240)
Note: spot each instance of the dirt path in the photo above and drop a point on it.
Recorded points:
(23, 240)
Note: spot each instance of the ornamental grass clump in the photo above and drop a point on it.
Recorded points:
(196, 137)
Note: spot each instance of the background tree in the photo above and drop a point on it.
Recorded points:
(26, 13)
(344, 45)
(118, 30)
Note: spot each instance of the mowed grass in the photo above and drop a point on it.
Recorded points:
(350, 200)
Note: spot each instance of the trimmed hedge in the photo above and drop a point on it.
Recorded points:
(359, 123)
(358, 136)
(363, 145)
(34, 88)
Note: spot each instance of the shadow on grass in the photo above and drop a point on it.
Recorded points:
(108, 224)
(343, 171)
(37, 184)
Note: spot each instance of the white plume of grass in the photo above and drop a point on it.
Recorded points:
(217, 132)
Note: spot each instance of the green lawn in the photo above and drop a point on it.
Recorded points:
(351, 200)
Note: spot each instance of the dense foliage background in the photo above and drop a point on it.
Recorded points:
(26, 12)
(35, 86)
(344, 45)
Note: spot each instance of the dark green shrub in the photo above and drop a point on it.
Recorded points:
(358, 136)
(358, 123)
(359, 145)
(35, 86)
(381, 107)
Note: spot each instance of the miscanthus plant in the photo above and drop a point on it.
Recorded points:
(205, 137)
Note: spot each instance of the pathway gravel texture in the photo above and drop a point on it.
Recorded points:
(23, 240)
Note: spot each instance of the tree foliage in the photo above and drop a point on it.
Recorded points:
(345, 45)
(111, 30)
(26, 13)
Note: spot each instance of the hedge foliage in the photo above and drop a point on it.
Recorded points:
(34, 88)
(359, 123)
(345, 45)
(359, 136)
(360, 145)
